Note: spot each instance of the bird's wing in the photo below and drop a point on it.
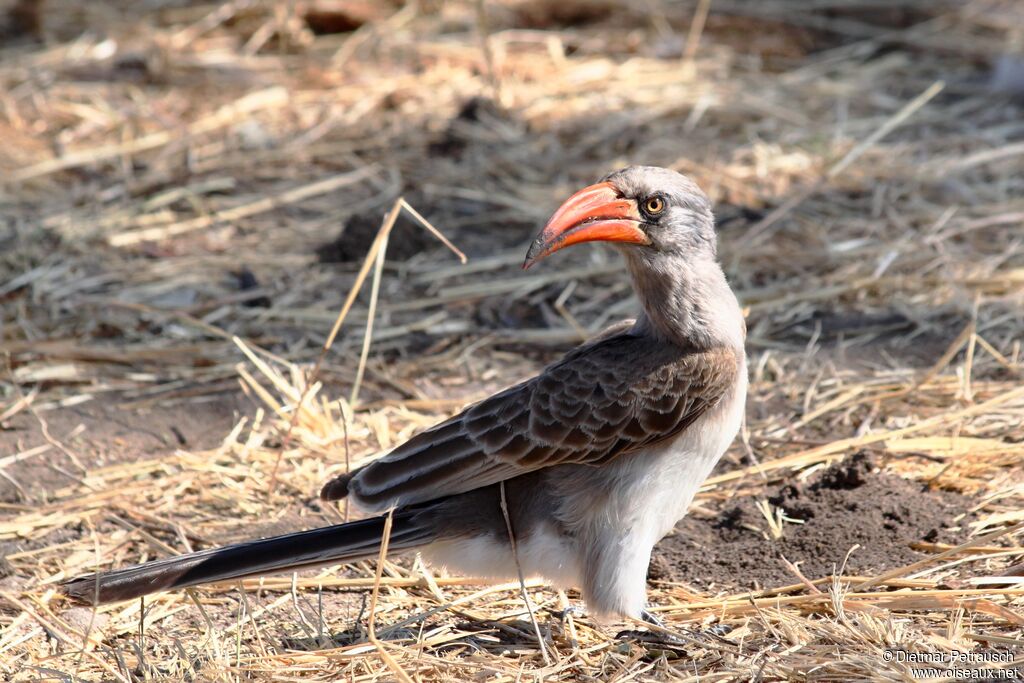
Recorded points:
(604, 398)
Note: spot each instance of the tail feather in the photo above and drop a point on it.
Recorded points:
(291, 552)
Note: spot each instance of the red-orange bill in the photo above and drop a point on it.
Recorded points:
(595, 213)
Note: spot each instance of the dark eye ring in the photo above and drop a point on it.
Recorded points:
(654, 205)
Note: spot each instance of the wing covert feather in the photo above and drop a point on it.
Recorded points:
(610, 396)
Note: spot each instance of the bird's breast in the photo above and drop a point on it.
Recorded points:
(646, 492)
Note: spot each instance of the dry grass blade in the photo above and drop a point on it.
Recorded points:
(910, 569)
(180, 316)
(371, 313)
(371, 620)
(244, 106)
(760, 230)
(374, 255)
(125, 239)
(522, 580)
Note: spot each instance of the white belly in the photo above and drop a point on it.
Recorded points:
(622, 509)
(615, 512)
(665, 494)
(543, 553)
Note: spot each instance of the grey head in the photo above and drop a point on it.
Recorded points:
(662, 223)
(677, 214)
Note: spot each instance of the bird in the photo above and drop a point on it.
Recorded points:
(572, 475)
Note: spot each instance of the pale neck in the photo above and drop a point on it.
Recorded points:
(687, 302)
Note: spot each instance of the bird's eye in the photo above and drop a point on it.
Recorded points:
(654, 205)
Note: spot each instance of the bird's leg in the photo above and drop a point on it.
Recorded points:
(567, 615)
(572, 611)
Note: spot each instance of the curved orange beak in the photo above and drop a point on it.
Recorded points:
(594, 214)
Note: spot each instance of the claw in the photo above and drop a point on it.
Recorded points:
(651, 618)
(718, 630)
(651, 637)
(661, 635)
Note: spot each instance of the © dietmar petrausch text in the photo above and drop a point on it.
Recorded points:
(988, 665)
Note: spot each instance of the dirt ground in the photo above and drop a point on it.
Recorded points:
(849, 519)
(100, 433)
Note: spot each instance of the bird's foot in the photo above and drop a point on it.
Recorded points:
(566, 620)
(718, 630)
(574, 611)
(658, 637)
(663, 635)
(658, 634)
(650, 638)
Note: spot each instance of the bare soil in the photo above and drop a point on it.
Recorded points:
(851, 514)
(103, 432)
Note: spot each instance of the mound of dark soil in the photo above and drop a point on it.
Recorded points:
(846, 505)
(354, 240)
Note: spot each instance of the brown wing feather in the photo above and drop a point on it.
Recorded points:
(606, 397)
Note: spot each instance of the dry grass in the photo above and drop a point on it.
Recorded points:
(869, 183)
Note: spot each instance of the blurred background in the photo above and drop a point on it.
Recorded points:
(188, 191)
(170, 166)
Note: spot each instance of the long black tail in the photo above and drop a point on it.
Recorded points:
(291, 552)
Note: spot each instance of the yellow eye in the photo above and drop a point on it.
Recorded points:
(654, 205)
